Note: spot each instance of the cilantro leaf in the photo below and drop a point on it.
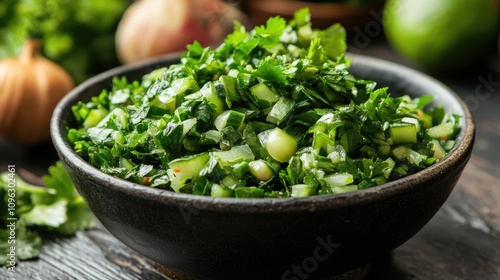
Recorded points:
(238, 35)
(315, 52)
(272, 31)
(51, 215)
(333, 41)
(58, 180)
(79, 217)
(269, 35)
(269, 72)
(302, 17)
(55, 207)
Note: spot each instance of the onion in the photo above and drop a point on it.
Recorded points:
(151, 28)
(30, 88)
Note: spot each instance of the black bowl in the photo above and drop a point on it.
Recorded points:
(228, 238)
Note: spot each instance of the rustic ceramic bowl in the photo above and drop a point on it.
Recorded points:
(307, 238)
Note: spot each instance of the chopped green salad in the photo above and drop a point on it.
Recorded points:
(272, 112)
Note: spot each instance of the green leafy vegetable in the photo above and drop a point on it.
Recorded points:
(56, 208)
(272, 112)
(76, 34)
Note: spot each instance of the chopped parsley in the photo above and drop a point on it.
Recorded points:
(272, 112)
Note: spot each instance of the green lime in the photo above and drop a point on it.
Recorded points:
(441, 35)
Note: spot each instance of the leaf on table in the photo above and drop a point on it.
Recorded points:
(55, 207)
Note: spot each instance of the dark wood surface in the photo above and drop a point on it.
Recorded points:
(461, 242)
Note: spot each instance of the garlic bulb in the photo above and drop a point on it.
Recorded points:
(151, 28)
(30, 88)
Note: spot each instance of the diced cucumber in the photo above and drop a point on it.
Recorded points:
(264, 95)
(338, 179)
(264, 136)
(260, 170)
(344, 189)
(337, 154)
(281, 110)
(235, 155)
(412, 121)
(439, 151)
(412, 156)
(379, 180)
(187, 125)
(321, 142)
(229, 84)
(127, 164)
(164, 107)
(211, 137)
(449, 144)
(248, 192)
(240, 169)
(302, 190)
(230, 182)
(229, 118)
(94, 117)
(173, 96)
(233, 73)
(188, 167)
(208, 92)
(402, 133)
(117, 119)
(399, 152)
(443, 130)
(220, 191)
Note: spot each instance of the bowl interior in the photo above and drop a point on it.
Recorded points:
(400, 80)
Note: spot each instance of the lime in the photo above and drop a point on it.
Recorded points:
(441, 35)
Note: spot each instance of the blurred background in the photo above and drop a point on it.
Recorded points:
(87, 37)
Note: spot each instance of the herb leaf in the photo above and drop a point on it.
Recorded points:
(55, 207)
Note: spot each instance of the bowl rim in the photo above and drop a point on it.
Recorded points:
(461, 152)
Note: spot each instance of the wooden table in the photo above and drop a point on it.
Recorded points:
(461, 242)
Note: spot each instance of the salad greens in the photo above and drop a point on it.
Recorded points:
(56, 208)
(272, 112)
(78, 34)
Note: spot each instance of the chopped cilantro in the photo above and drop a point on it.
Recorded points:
(272, 112)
